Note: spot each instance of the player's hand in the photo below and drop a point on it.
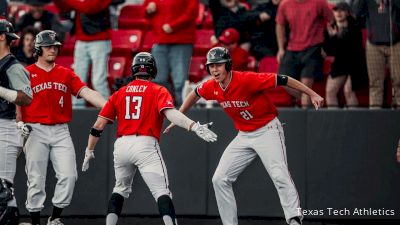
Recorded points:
(279, 55)
(25, 129)
(398, 154)
(264, 16)
(317, 101)
(168, 128)
(151, 8)
(203, 132)
(167, 28)
(89, 154)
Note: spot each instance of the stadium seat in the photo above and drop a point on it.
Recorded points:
(197, 69)
(147, 42)
(268, 64)
(203, 42)
(65, 61)
(125, 42)
(116, 67)
(279, 96)
(133, 17)
(68, 45)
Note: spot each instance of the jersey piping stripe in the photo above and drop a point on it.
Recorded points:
(106, 118)
(77, 95)
(287, 168)
(197, 92)
(167, 107)
(162, 166)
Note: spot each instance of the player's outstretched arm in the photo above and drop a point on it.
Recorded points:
(94, 97)
(94, 136)
(189, 101)
(16, 97)
(178, 118)
(316, 100)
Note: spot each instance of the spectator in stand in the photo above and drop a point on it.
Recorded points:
(300, 53)
(343, 41)
(240, 58)
(3, 9)
(93, 42)
(229, 14)
(173, 23)
(262, 32)
(382, 19)
(25, 49)
(40, 18)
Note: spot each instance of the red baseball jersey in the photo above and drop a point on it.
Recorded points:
(244, 99)
(52, 100)
(138, 108)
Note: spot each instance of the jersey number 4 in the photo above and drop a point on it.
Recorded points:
(137, 104)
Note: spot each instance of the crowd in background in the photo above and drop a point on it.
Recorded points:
(300, 34)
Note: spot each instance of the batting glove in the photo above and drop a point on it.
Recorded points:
(25, 129)
(89, 154)
(203, 132)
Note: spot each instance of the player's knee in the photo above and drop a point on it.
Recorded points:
(123, 190)
(219, 180)
(166, 207)
(69, 179)
(115, 204)
(280, 175)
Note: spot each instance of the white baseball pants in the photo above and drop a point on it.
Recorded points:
(268, 143)
(10, 147)
(143, 153)
(54, 142)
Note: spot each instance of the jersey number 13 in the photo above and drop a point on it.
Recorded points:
(137, 104)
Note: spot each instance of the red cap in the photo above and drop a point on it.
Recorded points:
(229, 36)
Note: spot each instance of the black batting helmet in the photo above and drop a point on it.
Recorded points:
(219, 55)
(144, 64)
(7, 29)
(44, 39)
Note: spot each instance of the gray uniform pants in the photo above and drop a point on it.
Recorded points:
(132, 153)
(268, 143)
(54, 142)
(10, 147)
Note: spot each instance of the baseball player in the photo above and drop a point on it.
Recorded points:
(243, 97)
(48, 114)
(15, 90)
(140, 108)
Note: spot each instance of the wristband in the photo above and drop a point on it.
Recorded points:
(96, 133)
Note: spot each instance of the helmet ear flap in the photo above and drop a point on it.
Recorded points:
(228, 65)
(208, 70)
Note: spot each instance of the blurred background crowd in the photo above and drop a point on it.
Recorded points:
(348, 51)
